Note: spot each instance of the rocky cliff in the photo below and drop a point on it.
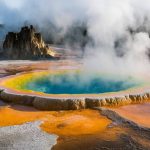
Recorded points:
(27, 44)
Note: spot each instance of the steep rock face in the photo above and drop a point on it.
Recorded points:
(27, 44)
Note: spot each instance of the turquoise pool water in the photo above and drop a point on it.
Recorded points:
(78, 84)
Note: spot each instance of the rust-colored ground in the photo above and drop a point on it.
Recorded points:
(75, 122)
(14, 115)
(139, 113)
(60, 123)
(80, 129)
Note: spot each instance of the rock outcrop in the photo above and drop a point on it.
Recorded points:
(27, 44)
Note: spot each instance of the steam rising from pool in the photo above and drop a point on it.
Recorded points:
(77, 83)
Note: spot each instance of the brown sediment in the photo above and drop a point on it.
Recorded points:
(107, 139)
(125, 139)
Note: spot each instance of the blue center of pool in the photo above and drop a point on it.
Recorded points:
(78, 84)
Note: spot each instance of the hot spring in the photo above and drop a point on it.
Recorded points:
(71, 90)
(78, 83)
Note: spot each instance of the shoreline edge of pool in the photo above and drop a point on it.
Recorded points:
(44, 101)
